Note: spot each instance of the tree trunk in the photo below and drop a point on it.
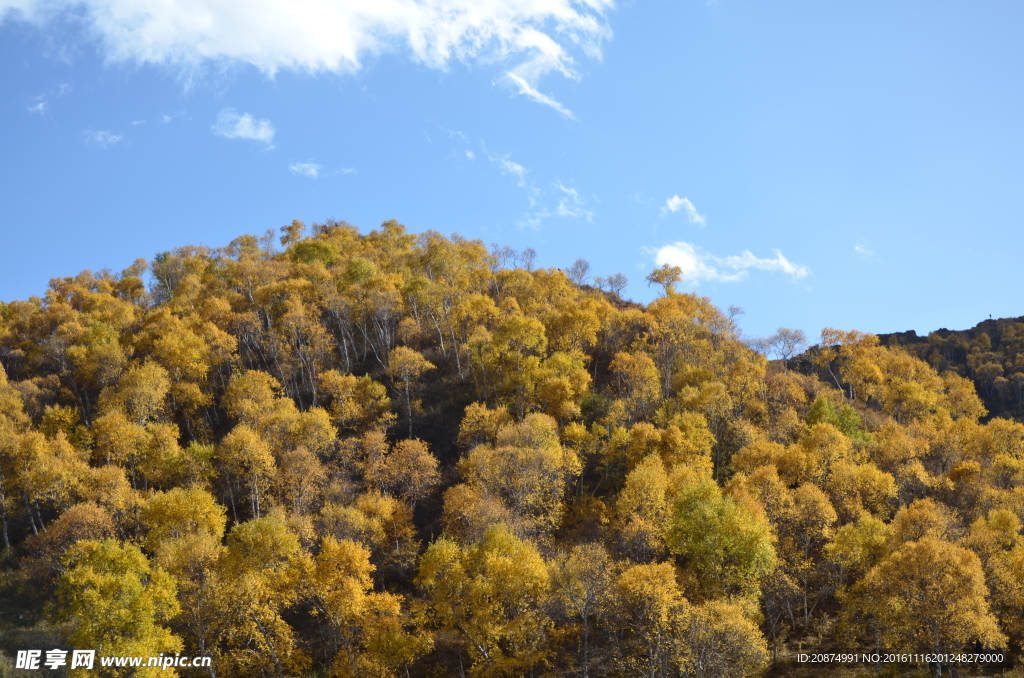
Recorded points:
(3, 515)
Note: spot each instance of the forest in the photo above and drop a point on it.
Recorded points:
(990, 354)
(324, 453)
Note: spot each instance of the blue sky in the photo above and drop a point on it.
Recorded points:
(856, 166)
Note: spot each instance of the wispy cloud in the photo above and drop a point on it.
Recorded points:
(570, 204)
(41, 105)
(530, 91)
(306, 169)
(698, 265)
(863, 250)
(554, 199)
(533, 220)
(231, 125)
(101, 138)
(169, 117)
(471, 155)
(526, 38)
(675, 203)
(511, 168)
(508, 167)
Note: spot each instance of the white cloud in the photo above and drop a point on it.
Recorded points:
(231, 125)
(536, 36)
(528, 90)
(101, 138)
(306, 169)
(698, 265)
(863, 250)
(533, 220)
(514, 168)
(675, 203)
(41, 105)
(555, 199)
(511, 168)
(570, 204)
(471, 155)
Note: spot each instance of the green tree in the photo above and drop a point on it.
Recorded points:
(727, 546)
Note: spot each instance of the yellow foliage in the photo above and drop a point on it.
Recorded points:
(492, 595)
(929, 595)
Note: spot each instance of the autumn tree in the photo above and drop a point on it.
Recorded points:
(179, 513)
(643, 508)
(247, 460)
(406, 367)
(370, 626)
(261, 569)
(81, 522)
(356, 404)
(806, 528)
(930, 595)
(526, 469)
(667, 276)
(652, 614)
(582, 583)
(492, 595)
(117, 602)
(619, 488)
(637, 383)
(723, 642)
(198, 562)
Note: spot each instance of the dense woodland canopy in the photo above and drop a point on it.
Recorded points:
(406, 455)
(991, 354)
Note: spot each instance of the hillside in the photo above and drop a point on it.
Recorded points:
(406, 455)
(991, 354)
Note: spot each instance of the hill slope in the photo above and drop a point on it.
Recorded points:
(388, 454)
(991, 354)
